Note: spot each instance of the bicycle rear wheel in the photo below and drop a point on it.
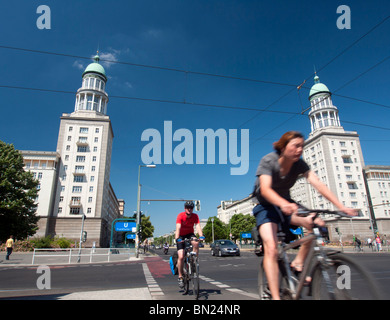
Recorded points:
(195, 277)
(264, 292)
(348, 280)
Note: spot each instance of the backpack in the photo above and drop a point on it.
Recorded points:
(173, 263)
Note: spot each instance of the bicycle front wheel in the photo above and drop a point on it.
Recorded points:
(195, 277)
(186, 277)
(347, 280)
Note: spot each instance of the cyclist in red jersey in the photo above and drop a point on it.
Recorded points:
(185, 223)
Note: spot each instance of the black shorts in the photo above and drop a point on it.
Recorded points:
(181, 245)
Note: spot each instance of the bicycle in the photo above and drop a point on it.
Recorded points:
(333, 275)
(191, 268)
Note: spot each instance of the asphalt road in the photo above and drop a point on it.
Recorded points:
(222, 278)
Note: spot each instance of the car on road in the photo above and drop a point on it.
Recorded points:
(224, 248)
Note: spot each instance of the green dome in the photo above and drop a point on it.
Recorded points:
(318, 88)
(96, 67)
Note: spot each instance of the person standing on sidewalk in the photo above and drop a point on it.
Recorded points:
(9, 245)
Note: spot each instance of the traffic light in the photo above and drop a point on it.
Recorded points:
(197, 205)
(84, 236)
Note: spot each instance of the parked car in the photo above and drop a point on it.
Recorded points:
(224, 248)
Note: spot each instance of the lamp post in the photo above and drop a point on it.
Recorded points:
(138, 222)
(212, 227)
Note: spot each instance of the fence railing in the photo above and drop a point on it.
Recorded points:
(75, 255)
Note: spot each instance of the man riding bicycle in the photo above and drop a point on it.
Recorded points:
(185, 223)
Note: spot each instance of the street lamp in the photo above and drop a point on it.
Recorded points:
(139, 207)
(212, 227)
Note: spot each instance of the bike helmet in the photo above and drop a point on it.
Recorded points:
(189, 204)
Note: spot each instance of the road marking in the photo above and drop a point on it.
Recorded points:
(228, 288)
(153, 287)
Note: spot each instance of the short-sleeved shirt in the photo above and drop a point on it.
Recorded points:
(187, 224)
(269, 165)
(9, 243)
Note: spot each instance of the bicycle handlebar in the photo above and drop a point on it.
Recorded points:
(303, 211)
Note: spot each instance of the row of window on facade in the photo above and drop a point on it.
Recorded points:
(83, 139)
(379, 175)
(324, 119)
(84, 129)
(321, 102)
(93, 83)
(80, 158)
(40, 164)
(77, 189)
(88, 101)
(75, 210)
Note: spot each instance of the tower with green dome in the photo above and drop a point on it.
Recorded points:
(92, 96)
(85, 145)
(323, 113)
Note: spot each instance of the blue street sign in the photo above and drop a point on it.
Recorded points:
(246, 235)
(130, 236)
(125, 226)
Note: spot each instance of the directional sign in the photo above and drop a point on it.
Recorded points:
(246, 235)
(125, 226)
(130, 236)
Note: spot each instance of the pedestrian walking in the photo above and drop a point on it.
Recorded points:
(9, 246)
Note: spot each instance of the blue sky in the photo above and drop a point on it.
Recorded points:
(272, 41)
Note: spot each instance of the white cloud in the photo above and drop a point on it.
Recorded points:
(77, 64)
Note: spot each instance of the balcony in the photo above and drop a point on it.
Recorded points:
(75, 204)
(82, 143)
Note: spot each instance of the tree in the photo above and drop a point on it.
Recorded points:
(220, 230)
(18, 191)
(241, 223)
(147, 228)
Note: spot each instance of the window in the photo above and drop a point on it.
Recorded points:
(90, 189)
(79, 169)
(94, 158)
(77, 189)
(97, 130)
(89, 199)
(82, 149)
(89, 210)
(74, 211)
(83, 130)
(80, 159)
(78, 178)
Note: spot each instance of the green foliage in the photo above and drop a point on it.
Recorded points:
(220, 230)
(40, 243)
(241, 223)
(18, 191)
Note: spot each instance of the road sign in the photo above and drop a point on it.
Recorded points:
(125, 226)
(246, 235)
(130, 236)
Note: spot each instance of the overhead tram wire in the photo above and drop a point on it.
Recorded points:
(322, 68)
(186, 103)
(151, 66)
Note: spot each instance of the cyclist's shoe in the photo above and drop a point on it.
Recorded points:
(181, 283)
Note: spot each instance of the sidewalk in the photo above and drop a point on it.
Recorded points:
(18, 259)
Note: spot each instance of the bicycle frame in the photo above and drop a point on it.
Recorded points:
(315, 250)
